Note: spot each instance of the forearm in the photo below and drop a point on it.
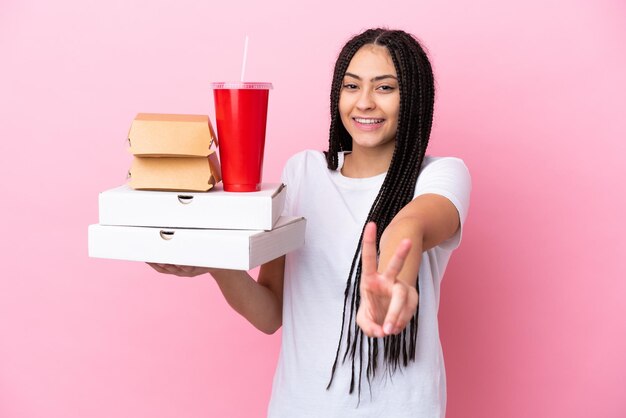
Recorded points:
(397, 231)
(427, 221)
(255, 302)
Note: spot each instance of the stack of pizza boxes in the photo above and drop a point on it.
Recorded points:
(174, 210)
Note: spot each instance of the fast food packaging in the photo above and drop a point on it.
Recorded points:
(217, 209)
(171, 135)
(218, 248)
(175, 173)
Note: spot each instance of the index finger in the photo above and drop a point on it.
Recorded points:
(368, 250)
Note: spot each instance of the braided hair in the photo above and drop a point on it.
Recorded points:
(417, 93)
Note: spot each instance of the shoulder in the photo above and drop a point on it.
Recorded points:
(298, 168)
(304, 161)
(306, 155)
(443, 172)
(432, 163)
(448, 177)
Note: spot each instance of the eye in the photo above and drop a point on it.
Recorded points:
(350, 86)
(386, 88)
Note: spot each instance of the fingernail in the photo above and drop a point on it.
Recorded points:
(387, 328)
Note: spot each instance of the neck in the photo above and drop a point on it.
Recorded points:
(367, 162)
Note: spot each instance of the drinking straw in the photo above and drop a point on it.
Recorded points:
(245, 56)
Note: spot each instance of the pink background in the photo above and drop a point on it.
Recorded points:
(531, 94)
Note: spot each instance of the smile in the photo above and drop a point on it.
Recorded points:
(367, 124)
(368, 121)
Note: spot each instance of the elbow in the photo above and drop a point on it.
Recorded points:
(272, 326)
(271, 329)
(406, 227)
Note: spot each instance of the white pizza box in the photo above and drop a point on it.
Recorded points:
(219, 248)
(215, 209)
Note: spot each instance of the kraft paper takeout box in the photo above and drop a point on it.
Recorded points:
(175, 173)
(217, 209)
(219, 248)
(160, 135)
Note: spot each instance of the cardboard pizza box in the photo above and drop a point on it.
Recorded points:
(218, 248)
(216, 209)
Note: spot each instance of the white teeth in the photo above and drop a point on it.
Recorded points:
(368, 121)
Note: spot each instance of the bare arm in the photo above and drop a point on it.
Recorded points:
(260, 302)
(427, 221)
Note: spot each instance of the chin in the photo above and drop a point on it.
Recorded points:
(371, 142)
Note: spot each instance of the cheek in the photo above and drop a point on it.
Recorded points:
(394, 110)
(344, 112)
(343, 105)
(395, 104)
(394, 115)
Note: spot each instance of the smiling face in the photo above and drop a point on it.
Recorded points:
(369, 102)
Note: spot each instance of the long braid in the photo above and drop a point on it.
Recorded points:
(416, 85)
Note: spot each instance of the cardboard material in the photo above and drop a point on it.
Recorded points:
(160, 135)
(217, 209)
(229, 249)
(173, 173)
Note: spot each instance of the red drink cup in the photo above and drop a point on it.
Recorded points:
(241, 115)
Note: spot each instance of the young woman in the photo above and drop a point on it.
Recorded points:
(359, 301)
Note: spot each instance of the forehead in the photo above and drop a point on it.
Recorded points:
(372, 60)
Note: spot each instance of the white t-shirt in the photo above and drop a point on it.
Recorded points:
(336, 207)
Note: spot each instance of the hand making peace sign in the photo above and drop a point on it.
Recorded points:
(387, 303)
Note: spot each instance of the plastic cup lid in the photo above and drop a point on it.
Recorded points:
(249, 85)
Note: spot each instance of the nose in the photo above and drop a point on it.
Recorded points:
(365, 100)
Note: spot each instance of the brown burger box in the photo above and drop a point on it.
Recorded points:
(175, 173)
(162, 135)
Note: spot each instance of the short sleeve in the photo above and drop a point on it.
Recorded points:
(290, 178)
(450, 178)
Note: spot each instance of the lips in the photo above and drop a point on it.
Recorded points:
(367, 124)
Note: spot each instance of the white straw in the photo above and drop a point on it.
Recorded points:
(245, 57)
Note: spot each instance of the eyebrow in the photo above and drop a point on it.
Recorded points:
(377, 78)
